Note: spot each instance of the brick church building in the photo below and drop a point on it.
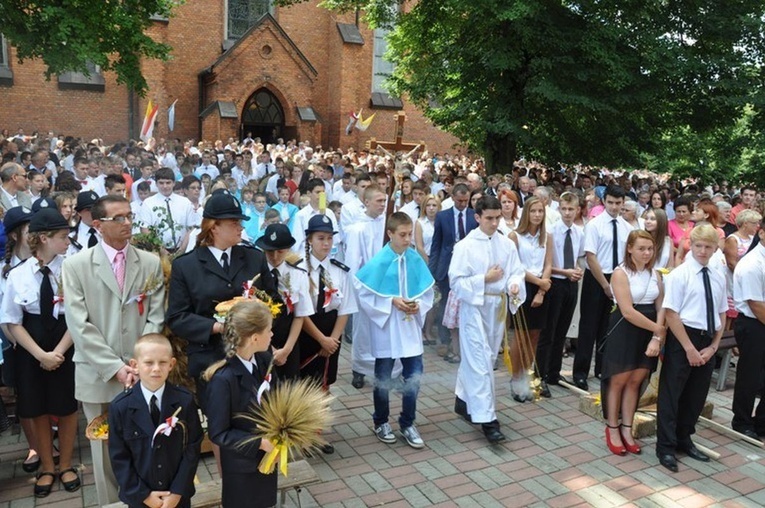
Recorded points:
(237, 66)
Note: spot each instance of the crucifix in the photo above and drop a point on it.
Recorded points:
(398, 146)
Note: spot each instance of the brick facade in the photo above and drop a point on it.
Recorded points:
(297, 54)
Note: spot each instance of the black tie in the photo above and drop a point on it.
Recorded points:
(709, 301)
(322, 289)
(275, 273)
(46, 299)
(614, 247)
(460, 226)
(154, 408)
(93, 240)
(224, 261)
(568, 252)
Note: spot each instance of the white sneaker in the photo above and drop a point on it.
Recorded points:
(385, 433)
(412, 437)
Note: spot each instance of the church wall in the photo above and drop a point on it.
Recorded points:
(196, 32)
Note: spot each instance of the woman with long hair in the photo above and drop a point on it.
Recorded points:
(658, 200)
(510, 211)
(656, 224)
(535, 252)
(424, 227)
(705, 212)
(635, 334)
(44, 368)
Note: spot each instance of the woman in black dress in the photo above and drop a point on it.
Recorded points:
(33, 310)
(635, 334)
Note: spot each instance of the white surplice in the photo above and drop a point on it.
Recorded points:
(480, 324)
(392, 334)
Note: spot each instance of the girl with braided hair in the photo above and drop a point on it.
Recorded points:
(235, 385)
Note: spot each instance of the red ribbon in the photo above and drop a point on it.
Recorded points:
(328, 296)
(139, 299)
(288, 302)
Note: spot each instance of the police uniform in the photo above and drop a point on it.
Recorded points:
(199, 282)
(331, 293)
(232, 391)
(292, 290)
(40, 392)
(84, 236)
(166, 463)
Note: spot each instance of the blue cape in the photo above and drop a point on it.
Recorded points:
(380, 274)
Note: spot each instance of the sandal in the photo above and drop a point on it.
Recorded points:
(73, 485)
(448, 357)
(455, 358)
(44, 490)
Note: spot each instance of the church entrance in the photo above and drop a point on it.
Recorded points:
(263, 116)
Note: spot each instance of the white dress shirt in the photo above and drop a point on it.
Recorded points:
(598, 239)
(154, 213)
(558, 233)
(749, 280)
(684, 294)
(22, 289)
(147, 394)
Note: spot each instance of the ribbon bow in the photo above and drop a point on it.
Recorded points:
(139, 298)
(328, 292)
(167, 427)
(287, 296)
(265, 386)
(57, 302)
(279, 452)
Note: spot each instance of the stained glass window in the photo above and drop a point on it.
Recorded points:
(242, 14)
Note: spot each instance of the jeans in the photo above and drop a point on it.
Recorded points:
(412, 374)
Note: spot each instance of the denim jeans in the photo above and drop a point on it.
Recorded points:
(412, 373)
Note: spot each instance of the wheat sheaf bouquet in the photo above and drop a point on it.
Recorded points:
(291, 417)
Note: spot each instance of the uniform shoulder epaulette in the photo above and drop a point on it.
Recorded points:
(247, 244)
(15, 266)
(339, 265)
(183, 254)
(296, 265)
(75, 243)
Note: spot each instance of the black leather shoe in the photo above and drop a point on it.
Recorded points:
(748, 433)
(327, 449)
(31, 466)
(44, 490)
(582, 384)
(460, 407)
(492, 432)
(544, 390)
(358, 380)
(695, 453)
(669, 461)
(73, 485)
(556, 381)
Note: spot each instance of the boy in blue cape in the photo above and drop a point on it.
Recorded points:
(395, 291)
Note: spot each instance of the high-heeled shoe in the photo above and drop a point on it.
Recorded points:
(632, 448)
(615, 449)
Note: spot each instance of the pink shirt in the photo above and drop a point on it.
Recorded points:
(676, 232)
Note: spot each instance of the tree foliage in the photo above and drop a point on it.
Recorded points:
(591, 81)
(69, 34)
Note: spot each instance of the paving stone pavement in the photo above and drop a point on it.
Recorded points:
(555, 456)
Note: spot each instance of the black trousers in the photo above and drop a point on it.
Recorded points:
(562, 304)
(750, 338)
(593, 324)
(682, 392)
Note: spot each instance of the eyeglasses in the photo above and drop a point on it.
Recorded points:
(120, 219)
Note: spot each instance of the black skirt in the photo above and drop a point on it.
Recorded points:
(625, 344)
(317, 366)
(42, 392)
(536, 317)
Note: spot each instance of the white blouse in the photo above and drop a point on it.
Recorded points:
(531, 253)
(644, 285)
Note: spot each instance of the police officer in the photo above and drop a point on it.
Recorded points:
(215, 271)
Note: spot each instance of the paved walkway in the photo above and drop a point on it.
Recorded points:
(555, 456)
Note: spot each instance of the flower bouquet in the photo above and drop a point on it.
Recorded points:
(249, 292)
(98, 428)
(291, 417)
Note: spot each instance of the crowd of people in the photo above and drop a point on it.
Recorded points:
(391, 253)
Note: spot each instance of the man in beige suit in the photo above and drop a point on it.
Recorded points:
(105, 320)
(14, 186)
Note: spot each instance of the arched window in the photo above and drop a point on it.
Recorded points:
(242, 14)
(263, 108)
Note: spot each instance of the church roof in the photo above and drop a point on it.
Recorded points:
(265, 19)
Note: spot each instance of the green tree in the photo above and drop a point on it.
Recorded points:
(69, 34)
(591, 81)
